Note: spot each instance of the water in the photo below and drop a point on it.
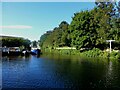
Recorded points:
(54, 71)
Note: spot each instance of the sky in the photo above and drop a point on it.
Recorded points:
(32, 19)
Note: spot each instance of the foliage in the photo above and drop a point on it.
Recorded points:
(44, 37)
(82, 30)
(88, 29)
(92, 28)
(115, 55)
(34, 43)
(95, 52)
(15, 42)
(57, 37)
(118, 56)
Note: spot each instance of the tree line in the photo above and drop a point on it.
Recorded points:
(88, 29)
(14, 41)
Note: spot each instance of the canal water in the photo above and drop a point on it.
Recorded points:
(55, 71)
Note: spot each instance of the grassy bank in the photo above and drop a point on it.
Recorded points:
(94, 53)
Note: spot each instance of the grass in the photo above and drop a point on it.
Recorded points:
(94, 53)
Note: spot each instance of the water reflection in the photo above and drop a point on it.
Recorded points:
(0, 72)
(113, 75)
(55, 71)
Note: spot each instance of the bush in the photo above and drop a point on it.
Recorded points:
(106, 54)
(113, 54)
(118, 55)
(95, 52)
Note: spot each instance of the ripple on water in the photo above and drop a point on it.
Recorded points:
(36, 72)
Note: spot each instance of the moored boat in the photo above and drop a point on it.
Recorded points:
(36, 51)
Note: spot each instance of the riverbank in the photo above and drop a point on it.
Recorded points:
(94, 53)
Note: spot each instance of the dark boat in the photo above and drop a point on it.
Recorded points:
(25, 52)
(35, 52)
(11, 51)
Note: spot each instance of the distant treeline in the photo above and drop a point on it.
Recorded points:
(88, 29)
(14, 41)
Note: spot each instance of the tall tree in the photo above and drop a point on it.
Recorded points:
(57, 37)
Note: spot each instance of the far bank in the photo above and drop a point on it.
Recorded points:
(92, 53)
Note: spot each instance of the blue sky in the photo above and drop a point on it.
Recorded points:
(32, 19)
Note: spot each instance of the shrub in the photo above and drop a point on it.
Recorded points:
(118, 55)
(95, 52)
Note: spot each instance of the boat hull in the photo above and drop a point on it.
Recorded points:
(35, 52)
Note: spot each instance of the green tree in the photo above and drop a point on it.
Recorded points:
(15, 42)
(57, 37)
(44, 37)
(82, 31)
(88, 29)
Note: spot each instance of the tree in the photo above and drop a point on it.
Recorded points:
(44, 37)
(82, 31)
(15, 42)
(88, 29)
(57, 37)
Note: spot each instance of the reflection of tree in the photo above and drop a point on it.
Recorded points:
(113, 75)
(80, 75)
(89, 74)
(0, 71)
